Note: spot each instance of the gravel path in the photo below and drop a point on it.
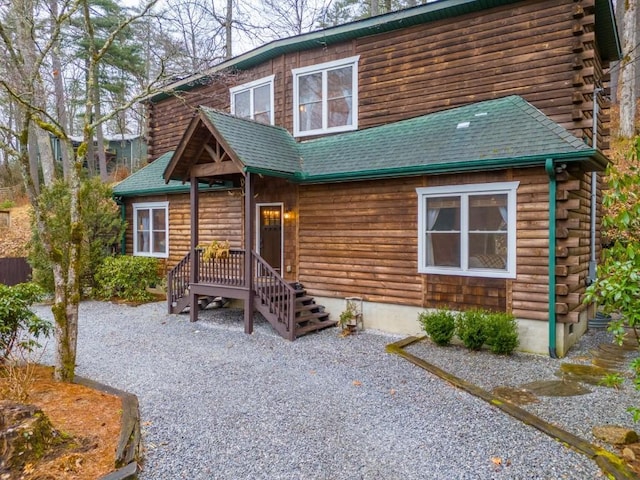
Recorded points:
(219, 404)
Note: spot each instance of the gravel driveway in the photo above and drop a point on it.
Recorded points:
(219, 404)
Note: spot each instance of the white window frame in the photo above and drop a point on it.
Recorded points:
(463, 192)
(251, 86)
(324, 68)
(150, 206)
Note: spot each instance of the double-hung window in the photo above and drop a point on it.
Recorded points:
(325, 97)
(254, 100)
(151, 229)
(468, 230)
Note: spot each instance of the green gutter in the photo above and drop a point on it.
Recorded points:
(551, 171)
(143, 192)
(123, 217)
(598, 161)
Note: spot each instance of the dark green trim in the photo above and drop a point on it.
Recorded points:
(271, 173)
(597, 160)
(550, 168)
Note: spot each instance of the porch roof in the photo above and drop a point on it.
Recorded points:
(148, 181)
(503, 133)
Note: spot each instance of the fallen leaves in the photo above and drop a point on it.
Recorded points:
(16, 237)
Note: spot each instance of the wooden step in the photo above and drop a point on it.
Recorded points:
(314, 326)
(311, 316)
(308, 308)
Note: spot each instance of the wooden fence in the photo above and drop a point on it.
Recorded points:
(14, 270)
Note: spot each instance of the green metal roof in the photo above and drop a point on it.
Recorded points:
(256, 145)
(149, 181)
(507, 132)
(606, 33)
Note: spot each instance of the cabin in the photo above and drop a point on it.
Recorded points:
(444, 156)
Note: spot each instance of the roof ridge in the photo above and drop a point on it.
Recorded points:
(244, 119)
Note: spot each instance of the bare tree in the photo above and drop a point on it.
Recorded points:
(28, 48)
(628, 68)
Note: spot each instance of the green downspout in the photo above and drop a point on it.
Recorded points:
(551, 171)
(123, 216)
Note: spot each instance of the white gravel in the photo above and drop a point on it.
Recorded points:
(219, 404)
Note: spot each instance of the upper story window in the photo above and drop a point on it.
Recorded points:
(151, 229)
(254, 100)
(325, 97)
(468, 230)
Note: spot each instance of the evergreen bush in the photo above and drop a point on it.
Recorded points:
(440, 325)
(502, 333)
(127, 278)
(472, 328)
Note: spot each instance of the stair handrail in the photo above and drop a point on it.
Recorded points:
(178, 279)
(275, 292)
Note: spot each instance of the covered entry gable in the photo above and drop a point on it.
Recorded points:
(217, 144)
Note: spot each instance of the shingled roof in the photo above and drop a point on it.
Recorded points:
(507, 132)
(148, 181)
(503, 133)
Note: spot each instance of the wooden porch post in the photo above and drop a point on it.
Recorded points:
(193, 274)
(248, 260)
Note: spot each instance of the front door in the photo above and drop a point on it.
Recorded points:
(270, 234)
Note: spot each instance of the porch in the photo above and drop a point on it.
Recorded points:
(285, 305)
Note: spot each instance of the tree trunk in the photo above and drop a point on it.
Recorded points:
(227, 30)
(102, 157)
(375, 8)
(34, 165)
(46, 156)
(58, 86)
(628, 70)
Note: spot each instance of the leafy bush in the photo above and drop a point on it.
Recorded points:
(472, 328)
(440, 325)
(19, 326)
(127, 277)
(7, 204)
(100, 227)
(502, 333)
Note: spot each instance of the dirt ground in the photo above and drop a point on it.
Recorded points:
(91, 417)
(15, 237)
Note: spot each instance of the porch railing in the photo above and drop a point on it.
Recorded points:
(222, 271)
(275, 297)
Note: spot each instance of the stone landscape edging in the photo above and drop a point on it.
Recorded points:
(129, 441)
(611, 465)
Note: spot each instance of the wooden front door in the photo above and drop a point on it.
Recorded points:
(270, 234)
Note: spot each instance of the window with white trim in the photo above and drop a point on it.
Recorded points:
(468, 230)
(151, 229)
(254, 100)
(325, 97)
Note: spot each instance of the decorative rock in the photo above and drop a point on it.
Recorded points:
(615, 435)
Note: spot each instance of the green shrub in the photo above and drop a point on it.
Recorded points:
(7, 204)
(19, 326)
(502, 333)
(127, 277)
(440, 325)
(472, 328)
(100, 227)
